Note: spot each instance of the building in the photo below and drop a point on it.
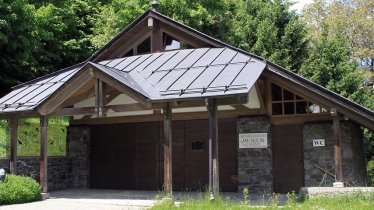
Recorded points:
(164, 106)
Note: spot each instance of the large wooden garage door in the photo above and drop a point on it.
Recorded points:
(191, 152)
(129, 156)
(288, 167)
(126, 156)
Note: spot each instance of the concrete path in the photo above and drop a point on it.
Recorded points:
(93, 199)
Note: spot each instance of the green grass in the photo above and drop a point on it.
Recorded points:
(355, 201)
(29, 137)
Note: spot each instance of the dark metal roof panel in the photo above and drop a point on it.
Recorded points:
(29, 96)
(190, 73)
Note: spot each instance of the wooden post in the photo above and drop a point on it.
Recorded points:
(211, 105)
(337, 146)
(168, 172)
(43, 153)
(100, 97)
(156, 37)
(13, 145)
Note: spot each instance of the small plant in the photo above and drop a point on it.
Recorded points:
(19, 189)
(246, 195)
(371, 172)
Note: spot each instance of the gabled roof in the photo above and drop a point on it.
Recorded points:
(151, 76)
(173, 75)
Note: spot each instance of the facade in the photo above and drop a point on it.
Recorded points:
(165, 107)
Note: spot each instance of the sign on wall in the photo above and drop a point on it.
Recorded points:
(253, 140)
(318, 142)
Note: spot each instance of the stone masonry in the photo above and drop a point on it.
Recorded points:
(59, 170)
(353, 158)
(79, 152)
(255, 165)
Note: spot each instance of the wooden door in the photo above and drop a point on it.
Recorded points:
(126, 156)
(288, 167)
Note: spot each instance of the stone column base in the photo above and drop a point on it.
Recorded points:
(338, 184)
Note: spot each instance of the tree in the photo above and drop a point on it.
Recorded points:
(65, 33)
(209, 16)
(18, 43)
(268, 28)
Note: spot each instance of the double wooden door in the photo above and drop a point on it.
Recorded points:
(129, 156)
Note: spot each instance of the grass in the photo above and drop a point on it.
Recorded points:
(29, 137)
(354, 201)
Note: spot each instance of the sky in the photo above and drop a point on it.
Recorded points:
(299, 4)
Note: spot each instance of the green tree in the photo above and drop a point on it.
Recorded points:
(65, 32)
(268, 28)
(209, 16)
(18, 43)
(330, 64)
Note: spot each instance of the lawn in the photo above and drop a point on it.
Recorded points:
(355, 201)
(29, 137)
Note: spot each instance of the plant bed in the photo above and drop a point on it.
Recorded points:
(19, 189)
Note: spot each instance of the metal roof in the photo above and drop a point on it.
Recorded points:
(172, 75)
(192, 73)
(28, 96)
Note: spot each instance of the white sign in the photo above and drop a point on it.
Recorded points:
(318, 142)
(253, 140)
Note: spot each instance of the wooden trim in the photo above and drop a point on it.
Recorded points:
(153, 118)
(44, 153)
(319, 97)
(64, 93)
(105, 110)
(337, 148)
(167, 145)
(211, 106)
(299, 119)
(260, 98)
(122, 88)
(186, 31)
(19, 115)
(13, 145)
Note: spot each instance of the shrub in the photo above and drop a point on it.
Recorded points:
(19, 189)
(371, 172)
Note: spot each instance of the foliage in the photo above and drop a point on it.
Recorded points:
(18, 43)
(29, 137)
(330, 65)
(371, 172)
(352, 18)
(353, 201)
(268, 28)
(209, 16)
(19, 189)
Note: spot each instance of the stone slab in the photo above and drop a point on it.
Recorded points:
(332, 191)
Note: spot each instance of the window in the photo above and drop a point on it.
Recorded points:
(144, 47)
(170, 43)
(285, 102)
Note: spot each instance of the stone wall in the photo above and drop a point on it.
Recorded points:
(59, 171)
(255, 165)
(79, 152)
(353, 158)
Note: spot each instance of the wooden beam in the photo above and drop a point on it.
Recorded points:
(28, 114)
(223, 114)
(337, 146)
(156, 37)
(100, 98)
(167, 145)
(44, 153)
(213, 147)
(13, 145)
(122, 88)
(105, 110)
